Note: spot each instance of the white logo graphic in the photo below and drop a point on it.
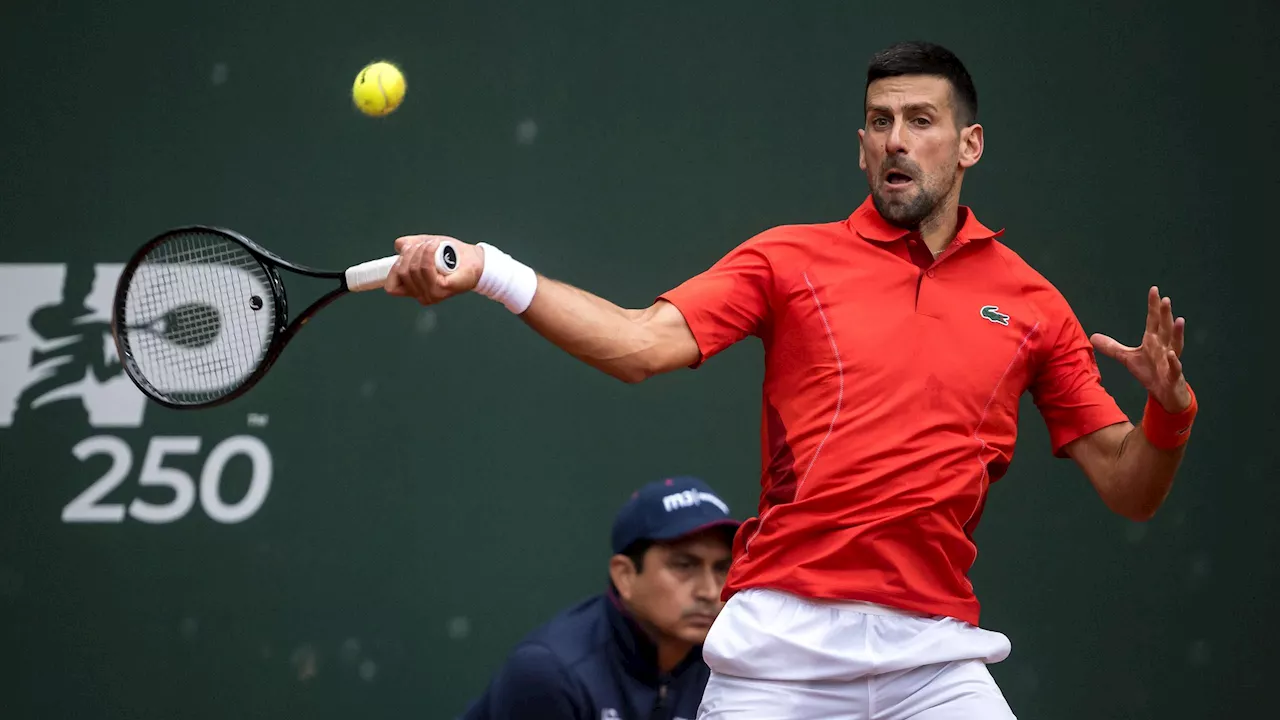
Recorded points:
(56, 351)
(690, 498)
(55, 344)
(610, 714)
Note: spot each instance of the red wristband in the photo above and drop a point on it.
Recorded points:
(1166, 430)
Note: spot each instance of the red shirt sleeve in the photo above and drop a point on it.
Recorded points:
(728, 301)
(1068, 386)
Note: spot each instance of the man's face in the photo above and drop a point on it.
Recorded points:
(911, 148)
(677, 593)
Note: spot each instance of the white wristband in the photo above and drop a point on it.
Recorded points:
(506, 279)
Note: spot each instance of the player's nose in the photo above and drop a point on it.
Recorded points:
(896, 142)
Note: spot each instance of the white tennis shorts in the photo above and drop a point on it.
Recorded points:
(775, 656)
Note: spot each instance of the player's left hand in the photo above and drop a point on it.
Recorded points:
(1156, 363)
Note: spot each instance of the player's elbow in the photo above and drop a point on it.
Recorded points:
(631, 374)
(1135, 509)
(1140, 514)
(1146, 510)
(639, 367)
(661, 343)
(649, 362)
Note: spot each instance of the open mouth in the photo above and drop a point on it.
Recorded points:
(897, 179)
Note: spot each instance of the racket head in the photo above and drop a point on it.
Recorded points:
(198, 317)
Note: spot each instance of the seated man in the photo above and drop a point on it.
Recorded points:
(633, 652)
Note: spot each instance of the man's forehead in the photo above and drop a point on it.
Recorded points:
(712, 541)
(898, 92)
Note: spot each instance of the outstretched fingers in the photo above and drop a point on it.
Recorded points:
(1174, 364)
(1110, 347)
(1153, 310)
(1166, 321)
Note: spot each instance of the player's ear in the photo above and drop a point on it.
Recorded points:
(971, 145)
(623, 574)
(862, 156)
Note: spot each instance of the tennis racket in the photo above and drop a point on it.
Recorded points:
(200, 313)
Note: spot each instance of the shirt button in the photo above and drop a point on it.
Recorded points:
(929, 273)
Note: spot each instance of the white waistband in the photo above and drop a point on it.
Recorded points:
(867, 608)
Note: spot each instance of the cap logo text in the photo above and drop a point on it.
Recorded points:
(692, 498)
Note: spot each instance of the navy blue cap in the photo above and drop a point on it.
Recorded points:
(669, 509)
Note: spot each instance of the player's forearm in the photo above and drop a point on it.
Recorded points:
(1141, 477)
(630, 345)
(612, 339)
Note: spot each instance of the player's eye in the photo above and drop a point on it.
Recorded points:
(922, 122)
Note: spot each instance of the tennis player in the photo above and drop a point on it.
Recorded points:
(898, 343)
(635, 650)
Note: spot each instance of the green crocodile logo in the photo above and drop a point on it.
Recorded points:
(992, 313)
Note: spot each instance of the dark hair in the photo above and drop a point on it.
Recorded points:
(636, 552)
(922, 58)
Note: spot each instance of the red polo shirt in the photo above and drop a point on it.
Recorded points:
(890, 401)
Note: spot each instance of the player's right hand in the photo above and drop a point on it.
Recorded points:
(415, 274)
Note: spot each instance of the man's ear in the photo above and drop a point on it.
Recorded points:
(623, 574)
(971, 146)
(862, 156)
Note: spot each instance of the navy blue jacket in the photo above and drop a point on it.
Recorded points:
(591, 662)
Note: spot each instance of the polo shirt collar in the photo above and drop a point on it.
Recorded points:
(867, 222)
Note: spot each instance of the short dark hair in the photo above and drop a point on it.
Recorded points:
(636, 552)
(922, 58)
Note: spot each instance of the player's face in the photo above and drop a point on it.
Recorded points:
(678, 592)
(911, 148)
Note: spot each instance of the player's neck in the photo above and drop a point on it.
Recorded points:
(937, 231)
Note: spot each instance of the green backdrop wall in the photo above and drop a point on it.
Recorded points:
(432, 483)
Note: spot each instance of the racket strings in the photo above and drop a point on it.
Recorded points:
(199, 315)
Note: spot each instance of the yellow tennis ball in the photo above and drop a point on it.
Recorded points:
(379, 89)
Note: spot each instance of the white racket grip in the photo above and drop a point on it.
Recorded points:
(370, 275)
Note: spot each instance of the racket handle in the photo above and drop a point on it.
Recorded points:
(372, 275)
(446, 257)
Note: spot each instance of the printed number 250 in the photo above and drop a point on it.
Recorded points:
(87, 507)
